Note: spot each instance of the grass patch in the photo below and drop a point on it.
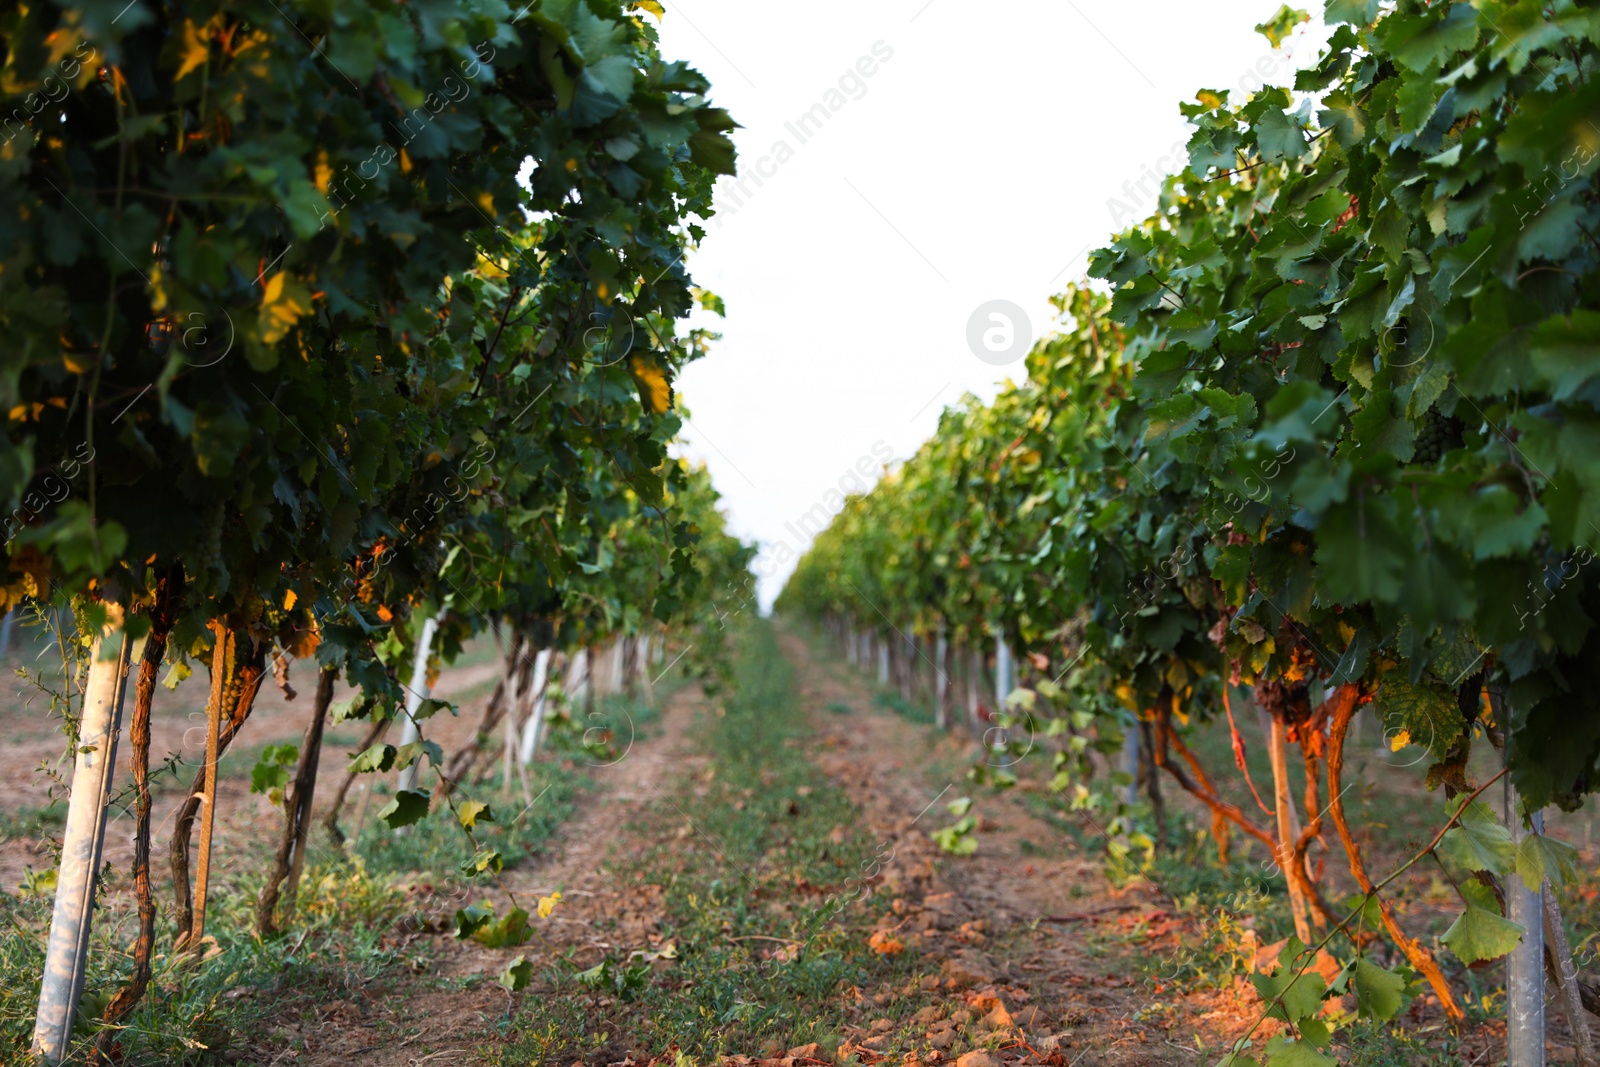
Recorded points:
(195, 1011)
(435, 847)
(761, 898)
(914, 711)
(33, 822)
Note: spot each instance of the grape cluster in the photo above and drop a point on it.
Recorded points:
(1437, 435)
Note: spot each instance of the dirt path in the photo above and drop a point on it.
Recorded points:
(1023, 923)
(442, 1013)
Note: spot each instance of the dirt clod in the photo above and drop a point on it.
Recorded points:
(979, 1058)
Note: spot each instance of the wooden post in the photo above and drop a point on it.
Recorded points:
(974, 690)
(67, 949)
(416, 693)
(222, 666)
(941, 679)
(1130, 763)
(908, 675)
(1005, 670)
(1525, 963)
(618, 673)
(646, 682)
(530, 732)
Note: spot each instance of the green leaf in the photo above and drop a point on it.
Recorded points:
(597, 977)
(220, 431)
(1279, 136)
(1563, 351)
(506, 932)
(410, 753)
(1356, 12)
(1281, 24)
(613, 76)
(1360, 553)
(1416, 100)
(1371, 917)
(1429, 714)
(1288, 997)
(378, 758)
(1344, 117)
(471, 919)
(1478, 842)
(1380, 994)
(517, 975)
(1479, 934)
(345, 710)
(1425, 40)
(1281, 1052)
(407, 807)
(79, 543)
(1232, 569)
(271, 772)
(1540, 857)
(957, 840)
(428, 708)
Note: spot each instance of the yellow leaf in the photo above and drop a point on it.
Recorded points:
(195, 50)
(158, 292)
(289, 599)
(884, 943)
(19, 413)
(324, 173)
(655, 391)
(1209, 98)
(548, 904)
(405, 162)
(651, 6)
(34, 567)
(282, 305)
(305, 641)
(486, 202)
(1399, 741)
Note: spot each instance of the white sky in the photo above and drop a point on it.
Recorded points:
(976, 164)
